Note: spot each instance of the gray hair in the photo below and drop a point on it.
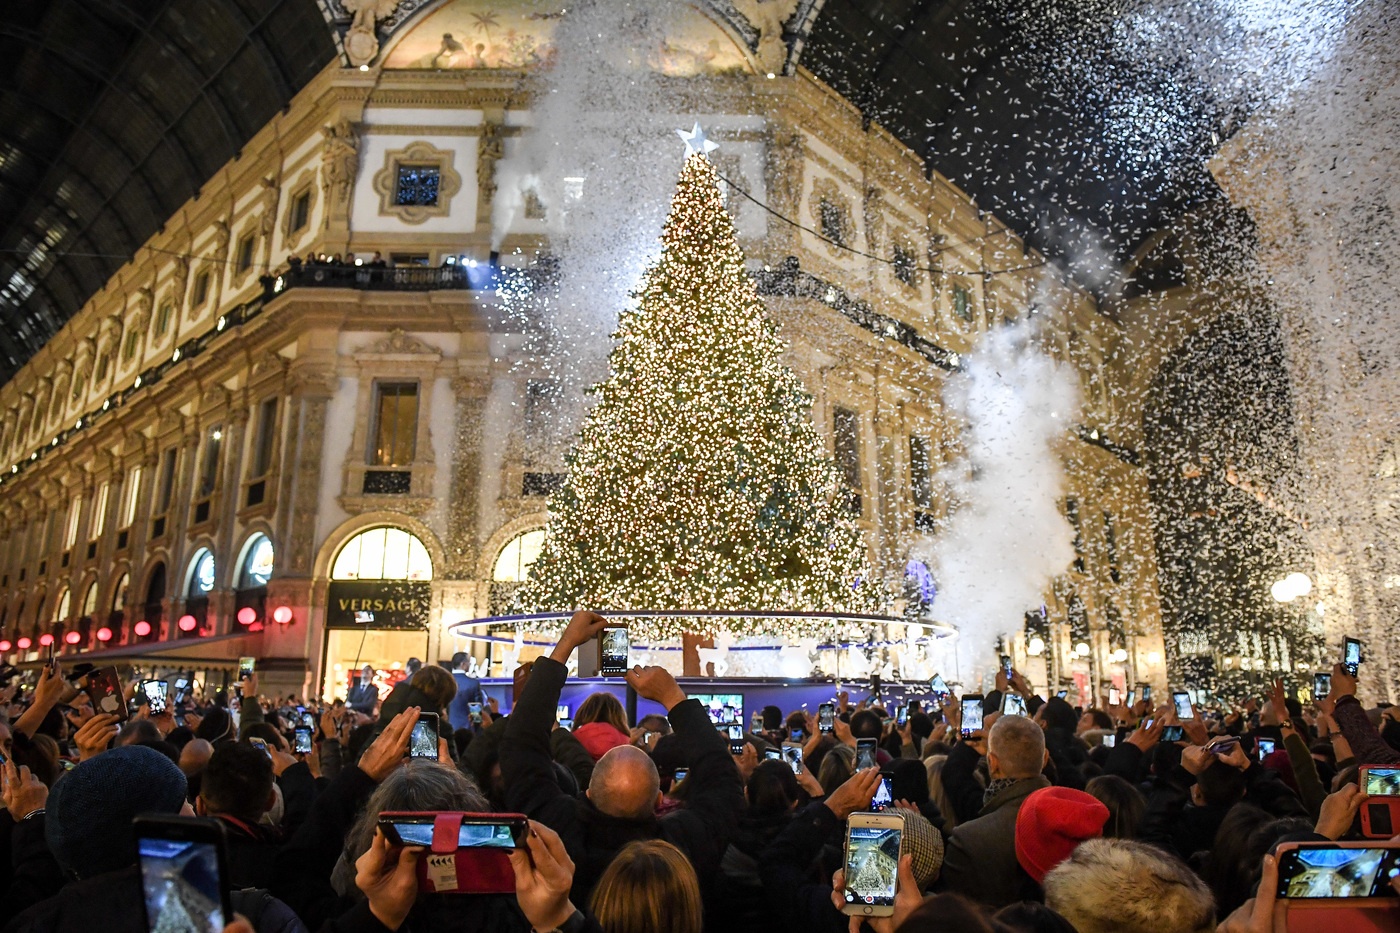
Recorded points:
(1019, 744)
(419, 786)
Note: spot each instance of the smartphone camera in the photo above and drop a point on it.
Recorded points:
(613, 649)
(474, 712)
(736, 739)
(826, 717)
(1182, 701)
(793, 755)
(184, 874)
(680, 775)
(971, 715)
(865, 754)
(423, 742)
(872, 863)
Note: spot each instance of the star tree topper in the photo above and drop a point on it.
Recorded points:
(695, 141)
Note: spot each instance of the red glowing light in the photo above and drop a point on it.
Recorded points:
(46, 639)
(247, 615)
(23, 643)
(72, 638)
(255, 627)
(282, 615)
(104, 634)
(4, 644)
(187, 623)
(142, 628)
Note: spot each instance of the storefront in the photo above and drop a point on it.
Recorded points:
(377, 609)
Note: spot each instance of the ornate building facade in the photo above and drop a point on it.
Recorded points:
(224, 454)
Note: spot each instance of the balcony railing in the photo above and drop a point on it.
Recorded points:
(466, 276)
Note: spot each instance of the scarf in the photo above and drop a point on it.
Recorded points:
(997, 787)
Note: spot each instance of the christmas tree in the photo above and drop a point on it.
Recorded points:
(698, 481)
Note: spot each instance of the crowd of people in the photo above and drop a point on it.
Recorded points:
(1061, 820)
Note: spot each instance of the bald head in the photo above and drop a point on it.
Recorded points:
(625, 783)
(194, 756)
(1016, 748)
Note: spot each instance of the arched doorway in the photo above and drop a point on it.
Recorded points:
(377, 609)
(153, 609)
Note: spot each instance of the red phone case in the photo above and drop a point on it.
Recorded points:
(447, 869)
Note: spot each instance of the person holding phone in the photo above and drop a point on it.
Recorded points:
(624, 788)
(1350, 716)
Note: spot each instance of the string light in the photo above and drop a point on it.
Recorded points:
(698, 480)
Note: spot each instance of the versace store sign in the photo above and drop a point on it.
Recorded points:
(378, 604)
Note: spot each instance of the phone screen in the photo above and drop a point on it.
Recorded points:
(901, 715)
(1006, 664)
(245, 667)
(155, 692)
(1173, 734)
(1182, 702)
(736, 738)
(1383, 782)
(308, 721)
(1322, 685)
(1130, 698)
(793, 755)
(872, 864)
(469, 835)
(681, 775)
(865, 754)
(1351, 655)
(561, 712)
(181, 882)
(474, 712)
(1062, 694)
(826, 716)
(726, 715)
(1266, 747)
(1146, 692)
(1109, 741)
(612, 651)
(1114, 697)
(772, 754)
(883, 798)
(566, 724)
(937, 686)
(971, 715)
(1013, 704)
(423, 742)
(1331, 871)
(302, 741)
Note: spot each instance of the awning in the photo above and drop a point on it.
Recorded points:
(190, 651)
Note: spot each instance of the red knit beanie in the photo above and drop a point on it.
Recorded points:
(1052, 822)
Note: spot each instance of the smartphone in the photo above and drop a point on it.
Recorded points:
(301, 740)
(826, 718)
(1266, 747)
(1380, 782)
(680, 775)
(1145, 691)
(613, 647)
(1131, 699)
(736, 738)
(1114, 697)
(1173, 734)
(260, 743)
(865, 754)
(308, 721)
(184, 873)
(1351, 654)
(796, 735)
(566, 724)
(872, 863)
(937, 686)
(245, 667)
(1109, 741)
(423, 741)
(1062, 694)
(1322, 686)
(155, 692)
(1335, 870)
(104, 688)
(883, 798)
(1006, 665)
(480, 863)
(772, 754)
(474, 712)
(182, 689)
(756, 722)
(477, 831)
(1182, 701)
(901, 715)
(793, 755)
(1224, 745)
(971, 714)
(726, 715)
(561, 712)
(1013, 704)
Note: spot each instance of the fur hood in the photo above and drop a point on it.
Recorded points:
(1120, 886)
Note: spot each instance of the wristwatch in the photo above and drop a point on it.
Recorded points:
(1288, 724)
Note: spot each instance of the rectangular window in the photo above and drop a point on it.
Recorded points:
(962, 303)
(417, 186)
(70, 531)
(243, 259)
(395, 424)
(165, 491)
(846, 430)
(920, 472)
(201, 289)
(209, 469)
(130, 495)
(99, 511)
(904, 264)
(266, 438)
(133, 339)
(833, 222)
(163, 318)
(301, 211)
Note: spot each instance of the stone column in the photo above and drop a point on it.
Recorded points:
(463, 512)
(300, 495)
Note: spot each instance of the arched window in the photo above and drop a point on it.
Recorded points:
(202, 574)
(383, 554)
(119, 593)
(513, 563)
(257, 563)
(90, 600)
(62, 605)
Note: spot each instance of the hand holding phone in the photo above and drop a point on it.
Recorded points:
(971, 709)
(826, 718)
(1351, 655)
(870, 876)
(423, 741)
(1181, 700)
(184, 873)
(865, 754)
(614, 645)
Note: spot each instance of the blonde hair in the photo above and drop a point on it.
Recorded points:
(650, 887)
(602, 707)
